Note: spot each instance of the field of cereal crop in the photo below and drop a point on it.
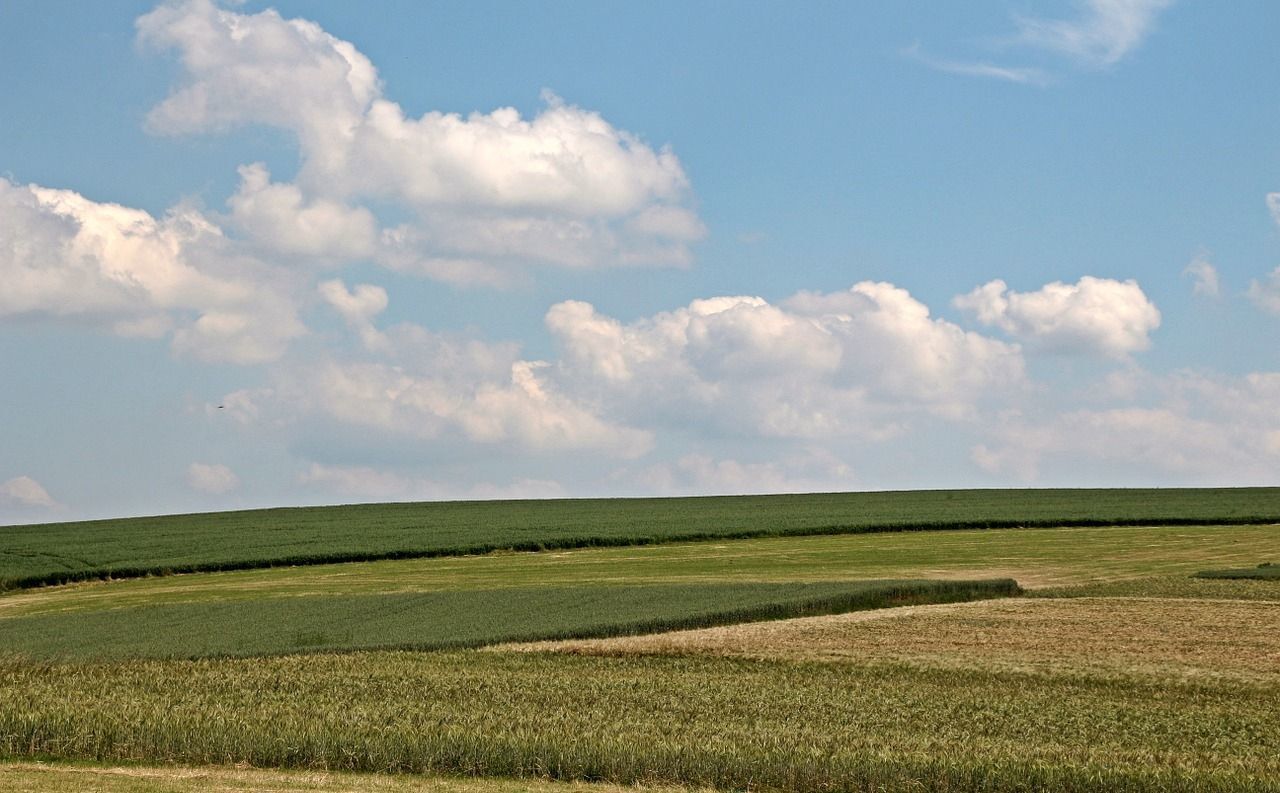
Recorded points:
(838, 662)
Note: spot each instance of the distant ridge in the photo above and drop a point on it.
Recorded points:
(57, 553)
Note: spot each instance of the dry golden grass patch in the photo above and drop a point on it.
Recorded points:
(1184, 638)
(61, 778)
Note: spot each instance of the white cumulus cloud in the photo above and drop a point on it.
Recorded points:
(65, 256)
(212, 478)
(520, 409)
(862, 363)
(23, 491)
(848, 363)
(1196, 428)
(1094, 315)
(283, 221)
(446, 390)
(358, 308)
(258, 68)
(563, 186)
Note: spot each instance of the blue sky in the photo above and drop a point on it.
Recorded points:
(259, 254)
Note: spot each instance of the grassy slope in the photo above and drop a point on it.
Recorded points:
(436, 620)
(1061, 558)
(724, 722)
(72, 551)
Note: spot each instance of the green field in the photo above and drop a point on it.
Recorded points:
(1135, 559)
(1120, 670)
(58, 553)
(1263, 572)
(436, 620)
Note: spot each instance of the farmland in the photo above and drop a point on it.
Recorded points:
(886, 660)
(690, 720)
(58, 553)
(1129, 560)
(1151, 638)
(435, 620)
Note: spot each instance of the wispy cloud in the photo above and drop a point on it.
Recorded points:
(1098, 37)
(1204, 275)
(1027, 75)
(1265, 293)
(1104, 33)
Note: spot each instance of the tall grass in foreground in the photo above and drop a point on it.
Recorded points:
(727, 723)
(451, 619)
(60, 553)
